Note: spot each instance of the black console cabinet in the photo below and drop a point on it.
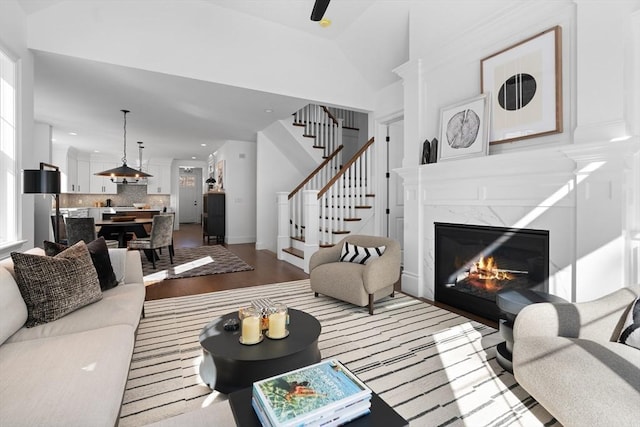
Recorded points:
(213, 218)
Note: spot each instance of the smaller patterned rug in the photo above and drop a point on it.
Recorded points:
(192, 262)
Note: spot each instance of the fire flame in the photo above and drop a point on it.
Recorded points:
(486, 270)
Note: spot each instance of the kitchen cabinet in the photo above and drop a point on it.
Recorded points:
(84, 176)
(101, 184)
(213, 216)
(160, 181)
(66, 158)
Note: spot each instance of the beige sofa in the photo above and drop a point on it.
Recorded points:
(72, 371)
(566, 356)
(358, 284)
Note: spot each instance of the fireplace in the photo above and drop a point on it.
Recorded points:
(473, 263)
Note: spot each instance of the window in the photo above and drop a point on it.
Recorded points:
(8, 159)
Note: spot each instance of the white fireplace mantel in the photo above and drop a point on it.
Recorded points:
(584, 194)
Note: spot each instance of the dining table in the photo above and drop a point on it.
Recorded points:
(109, 228)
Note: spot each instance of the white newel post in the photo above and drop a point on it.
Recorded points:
(312, 221)
(283, 222)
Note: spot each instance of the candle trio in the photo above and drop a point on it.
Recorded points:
(263, 316)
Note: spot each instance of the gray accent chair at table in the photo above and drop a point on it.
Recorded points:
(84, 229)
(358, 284)
(161, 237)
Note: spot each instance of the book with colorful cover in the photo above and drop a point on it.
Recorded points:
(308, 395)
(336, 418)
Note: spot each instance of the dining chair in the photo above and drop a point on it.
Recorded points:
(62, 231)
(161, 237)
(84, 229)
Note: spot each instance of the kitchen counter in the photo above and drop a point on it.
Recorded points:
(131, 208)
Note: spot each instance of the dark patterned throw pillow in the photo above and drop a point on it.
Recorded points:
(53, 287)
(100, 257)
(359, 254)
(631, 331)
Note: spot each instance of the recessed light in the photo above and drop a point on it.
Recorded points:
(268, 110)
(96, 151)
(324, 22)
(193, 157)
(72, 133)
(203, 145)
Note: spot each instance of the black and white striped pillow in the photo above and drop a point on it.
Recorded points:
(631, 331)
(360, 255)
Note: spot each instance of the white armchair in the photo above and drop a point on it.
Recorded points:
(358, 284)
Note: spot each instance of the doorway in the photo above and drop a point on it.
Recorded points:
(190, 195)
(394, 224)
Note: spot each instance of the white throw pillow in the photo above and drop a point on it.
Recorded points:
(631, 331)
(359, 254)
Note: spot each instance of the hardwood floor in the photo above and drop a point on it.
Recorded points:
(267, 269)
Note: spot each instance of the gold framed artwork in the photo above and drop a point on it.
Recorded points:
(464, 128)
(524, 82)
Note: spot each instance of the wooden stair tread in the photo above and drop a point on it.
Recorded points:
(295, 252)
(346, 219)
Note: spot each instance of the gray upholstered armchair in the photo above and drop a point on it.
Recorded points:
(359, 284)
(567, 357)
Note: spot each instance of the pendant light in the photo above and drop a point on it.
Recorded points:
(124, 174)
(140, 148)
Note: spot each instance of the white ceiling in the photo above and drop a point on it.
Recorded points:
(174, 115)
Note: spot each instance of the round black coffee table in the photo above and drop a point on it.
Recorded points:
(234, 366)
(510, 303)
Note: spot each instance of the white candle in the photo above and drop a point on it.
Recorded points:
(250, 330)
(277, 324)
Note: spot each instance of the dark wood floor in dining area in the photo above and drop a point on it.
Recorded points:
(267, 269)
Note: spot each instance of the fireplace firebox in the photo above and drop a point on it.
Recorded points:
(474, 262)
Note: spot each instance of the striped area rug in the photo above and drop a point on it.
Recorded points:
(434, 367)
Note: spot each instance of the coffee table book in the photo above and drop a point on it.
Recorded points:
(325, 393)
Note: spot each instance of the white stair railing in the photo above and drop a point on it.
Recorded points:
(315, 181)
(319, 123)
(340, 198)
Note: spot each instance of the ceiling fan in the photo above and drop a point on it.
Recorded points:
(319, 8)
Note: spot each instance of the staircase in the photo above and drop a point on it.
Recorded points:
(333, 201)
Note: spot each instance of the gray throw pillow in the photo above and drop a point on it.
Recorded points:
(99, 255)
(53, 287)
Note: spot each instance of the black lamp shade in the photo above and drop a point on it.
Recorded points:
(41, 181)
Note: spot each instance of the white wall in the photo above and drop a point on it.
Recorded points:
(42, 203)
(13, 38)
(275, 173)
(240, 189)
(599, 47)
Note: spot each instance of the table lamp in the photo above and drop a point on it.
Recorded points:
(44, 181)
